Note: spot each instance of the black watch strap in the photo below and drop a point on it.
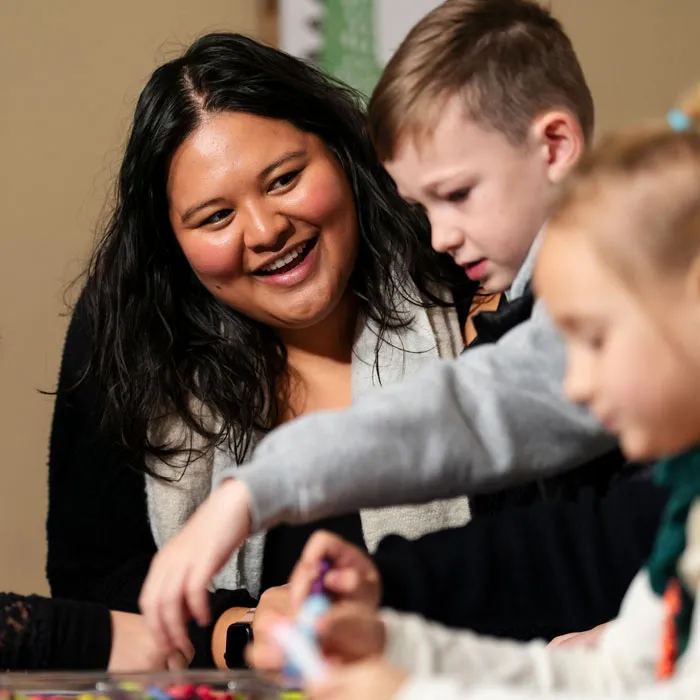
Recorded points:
(238, 636)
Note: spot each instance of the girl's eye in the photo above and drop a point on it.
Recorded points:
(458, 195)
(284, 180)
(217, 217)
(595, 341)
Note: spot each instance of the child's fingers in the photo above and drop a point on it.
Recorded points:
(149, 605)
(197, 596)
(355, 584)
(301, 580)
(322, 545)
(326, 689)
(173, 618)
(345, 582)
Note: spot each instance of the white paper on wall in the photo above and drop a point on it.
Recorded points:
(393, 20)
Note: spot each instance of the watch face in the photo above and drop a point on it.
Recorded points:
(238, 636)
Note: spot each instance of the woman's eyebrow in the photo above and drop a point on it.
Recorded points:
(198, 207)
(290, 155)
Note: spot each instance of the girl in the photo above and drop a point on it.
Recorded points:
(620, 273)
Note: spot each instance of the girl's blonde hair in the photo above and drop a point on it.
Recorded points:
(652, 173)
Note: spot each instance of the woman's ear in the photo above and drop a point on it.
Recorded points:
(559, 135)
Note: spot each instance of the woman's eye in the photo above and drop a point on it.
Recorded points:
(217, 217)
(458, 195)
(284, 180)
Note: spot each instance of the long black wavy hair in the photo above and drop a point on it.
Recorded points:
(158, 338)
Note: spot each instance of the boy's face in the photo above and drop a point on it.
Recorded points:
(621, 361)
(486, 198)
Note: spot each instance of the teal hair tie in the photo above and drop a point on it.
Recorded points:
(678, 120)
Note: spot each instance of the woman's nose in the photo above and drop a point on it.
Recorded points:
(264, 227)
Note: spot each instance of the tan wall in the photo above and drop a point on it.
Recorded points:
(637, 54)
(71, 73)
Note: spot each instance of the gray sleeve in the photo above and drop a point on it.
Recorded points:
(493, 417)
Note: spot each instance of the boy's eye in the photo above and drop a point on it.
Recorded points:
(217, 217)
(458, 195)
(284, 180)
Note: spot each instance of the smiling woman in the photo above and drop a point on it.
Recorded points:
(271, 232)
(258, 265)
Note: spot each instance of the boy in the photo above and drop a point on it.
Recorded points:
(480, 114)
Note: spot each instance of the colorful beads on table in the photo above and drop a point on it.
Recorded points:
(175, 692)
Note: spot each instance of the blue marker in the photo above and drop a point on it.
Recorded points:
(315, 606)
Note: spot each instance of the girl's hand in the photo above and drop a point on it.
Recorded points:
(375, 679)
(176, 587)
(351, 632)
(589, 638)
(353, 576)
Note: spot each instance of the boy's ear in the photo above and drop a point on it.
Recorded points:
(559, 135)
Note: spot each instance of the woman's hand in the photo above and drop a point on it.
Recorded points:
(135, 649)
(376, 679)
(349, 632)
(176, 586)
(220, 631)
(273, 602)
(353, 576)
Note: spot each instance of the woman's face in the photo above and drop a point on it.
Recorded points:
(265, 217)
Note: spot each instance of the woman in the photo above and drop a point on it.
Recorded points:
(39, 633)
(258, 265)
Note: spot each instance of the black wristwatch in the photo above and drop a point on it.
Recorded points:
(238, 636)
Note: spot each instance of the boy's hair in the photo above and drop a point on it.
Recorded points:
(658, 169)
(508, 60)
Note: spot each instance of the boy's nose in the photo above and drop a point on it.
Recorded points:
(446, 238)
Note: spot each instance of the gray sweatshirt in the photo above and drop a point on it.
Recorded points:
(491, 418)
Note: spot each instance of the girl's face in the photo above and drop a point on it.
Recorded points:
(626, 362)
(265, 216)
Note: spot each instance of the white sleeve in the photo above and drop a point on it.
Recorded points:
(625, 658)
(685, 687)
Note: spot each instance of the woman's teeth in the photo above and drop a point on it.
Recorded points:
(288, 258)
